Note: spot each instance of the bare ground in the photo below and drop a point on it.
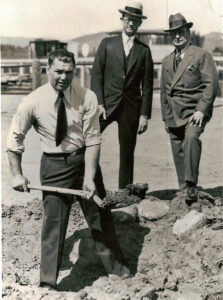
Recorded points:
(164, 265)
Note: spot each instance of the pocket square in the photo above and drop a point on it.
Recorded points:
(190, 68)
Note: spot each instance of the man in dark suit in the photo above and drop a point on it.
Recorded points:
(189, 84)
(122, 78)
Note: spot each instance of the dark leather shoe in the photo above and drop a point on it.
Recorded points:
(191, 197)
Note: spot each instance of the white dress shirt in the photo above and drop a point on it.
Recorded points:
(39, 109)
(127, 43)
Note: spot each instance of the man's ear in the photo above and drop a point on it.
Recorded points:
(140, 23)
(47, 68)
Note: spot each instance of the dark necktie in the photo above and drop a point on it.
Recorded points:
(61, 129)
(177, 59)
(127, 58)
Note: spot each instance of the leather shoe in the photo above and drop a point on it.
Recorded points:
(192, 193)
(120, 270)
(48, 287)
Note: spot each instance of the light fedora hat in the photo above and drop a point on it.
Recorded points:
(177, 21)
(133, 8)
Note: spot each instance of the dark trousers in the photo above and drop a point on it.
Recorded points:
(186, 148)
(128, 121)
(68, 172)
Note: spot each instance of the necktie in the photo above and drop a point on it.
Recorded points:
(61, 128)
(177, 59)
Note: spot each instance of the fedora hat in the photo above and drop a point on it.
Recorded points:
(133, 8)
(177, 21)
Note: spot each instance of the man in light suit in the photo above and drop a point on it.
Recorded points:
(122, 78)
(189, 83)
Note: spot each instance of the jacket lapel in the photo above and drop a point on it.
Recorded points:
(134, 54)
(119, 49)
(169, 64)
(182, 66)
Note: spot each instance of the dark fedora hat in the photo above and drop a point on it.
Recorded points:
(177, 21)
(134, 8)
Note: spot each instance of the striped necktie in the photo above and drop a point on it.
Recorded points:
(61, 128)
(177, 59)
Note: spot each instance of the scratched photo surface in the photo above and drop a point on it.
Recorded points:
(166, 263)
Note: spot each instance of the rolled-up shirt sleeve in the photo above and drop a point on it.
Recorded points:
(91, 127)
(21, 122)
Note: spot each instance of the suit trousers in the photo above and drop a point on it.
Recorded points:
(68, 172)
(128, 120)
(186, 149)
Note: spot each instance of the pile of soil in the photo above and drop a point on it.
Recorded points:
(132, 194)
(164, 265)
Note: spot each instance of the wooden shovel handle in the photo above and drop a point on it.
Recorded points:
(83, 194)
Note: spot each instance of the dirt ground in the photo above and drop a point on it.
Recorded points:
(164, 265)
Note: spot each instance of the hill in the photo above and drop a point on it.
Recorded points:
(212, 41)
(17, 41)
(93, 40)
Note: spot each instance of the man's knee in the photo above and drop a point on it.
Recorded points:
(192, 136)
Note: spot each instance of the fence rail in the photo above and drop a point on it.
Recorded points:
(17, 75)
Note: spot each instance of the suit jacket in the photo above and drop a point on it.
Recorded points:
(193, 87)
(113, 82)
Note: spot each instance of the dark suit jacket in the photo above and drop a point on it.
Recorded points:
(112, 83)
(193, 86)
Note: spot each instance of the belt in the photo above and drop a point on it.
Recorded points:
(66, 154)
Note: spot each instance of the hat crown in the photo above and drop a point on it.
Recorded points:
(134, 4)
(177, 20)
(133, 8)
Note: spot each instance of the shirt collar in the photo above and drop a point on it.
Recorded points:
(67, 94)
(183, 50)
(126, 38)
(54, 93)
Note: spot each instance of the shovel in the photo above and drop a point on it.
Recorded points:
(83, 194)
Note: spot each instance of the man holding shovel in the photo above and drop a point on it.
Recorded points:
(66, 117)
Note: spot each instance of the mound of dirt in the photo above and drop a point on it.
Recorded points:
(164, 265)
(132, 194)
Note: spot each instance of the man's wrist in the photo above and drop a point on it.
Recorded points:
(15, 163)
(88, 178)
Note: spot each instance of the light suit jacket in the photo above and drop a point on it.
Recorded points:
(193, 87)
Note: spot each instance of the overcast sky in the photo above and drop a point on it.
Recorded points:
(68, 19)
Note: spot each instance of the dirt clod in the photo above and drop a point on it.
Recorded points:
(133, 194)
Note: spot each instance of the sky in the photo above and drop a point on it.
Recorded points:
(68, 19)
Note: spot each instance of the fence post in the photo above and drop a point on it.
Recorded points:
(36, 74)
(82, 76)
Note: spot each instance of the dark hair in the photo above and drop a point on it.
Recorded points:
(61, 54)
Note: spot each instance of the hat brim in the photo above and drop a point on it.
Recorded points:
(123, 11)
(188, 25)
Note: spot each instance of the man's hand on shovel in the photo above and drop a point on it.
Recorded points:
(20, 182)
(90, 187)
